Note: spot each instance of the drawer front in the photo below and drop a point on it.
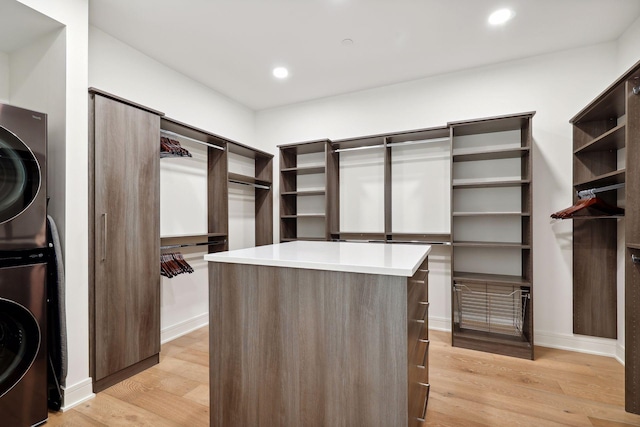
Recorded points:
(418, 408)
(420, 352)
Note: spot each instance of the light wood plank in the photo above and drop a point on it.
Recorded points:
(468, 389)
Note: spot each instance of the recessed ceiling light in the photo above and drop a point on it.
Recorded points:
(280, 72)
(501, 16)
(347, 42)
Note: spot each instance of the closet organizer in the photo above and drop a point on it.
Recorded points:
(483, 212)
(606, 148)
(126, 142)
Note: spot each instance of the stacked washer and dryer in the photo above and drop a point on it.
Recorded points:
(23, 269)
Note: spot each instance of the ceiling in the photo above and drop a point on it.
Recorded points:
(20, 25)
(231, 46)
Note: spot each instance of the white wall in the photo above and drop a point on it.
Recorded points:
(123, 71)
(73, 14)
(628, 47)
(556, 86)
(38, 82)
(120, 69)
(4, 77)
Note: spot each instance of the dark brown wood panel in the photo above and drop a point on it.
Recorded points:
(632, 332)
(305, 347)
(632, 237)
(594, 278)
(217, 193)
(333, 190)
(126, 219)
(264, 202)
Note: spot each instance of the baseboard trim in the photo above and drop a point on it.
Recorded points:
(440, 324)
(579, 343)
(620, 353)
(174, 331)
(77, 394)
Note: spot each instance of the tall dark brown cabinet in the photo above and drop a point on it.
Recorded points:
(124, 228)
(606, 143)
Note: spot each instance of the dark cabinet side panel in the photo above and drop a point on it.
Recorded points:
(127, 240)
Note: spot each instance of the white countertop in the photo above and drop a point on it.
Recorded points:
(372, 258)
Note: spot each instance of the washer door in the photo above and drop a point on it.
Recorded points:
(19, 343)
(19, 176)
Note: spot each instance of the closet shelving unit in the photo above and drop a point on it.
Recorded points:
(322, 158)
(598, 149)
(261, 180)
(308, 184)
(217, 204)
(491, 205)
(606, 142)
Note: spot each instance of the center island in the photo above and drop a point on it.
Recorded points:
(319, 334)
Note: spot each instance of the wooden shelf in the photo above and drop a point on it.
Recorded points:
(491, 124)
(633, 246)
(192, 236)
(434, 238)
(615, 177)
(493, 154)
(350, 235)
(491, 245)
(303, 216)
(499, 279)
(304, 193)
(516, 346)
(304, 170)
(497, 214)
(305, 147)
(311, 239)
(245, 179)
(592, 217)
(613, 139)
(491, 184)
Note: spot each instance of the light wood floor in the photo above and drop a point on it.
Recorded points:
(468, 388)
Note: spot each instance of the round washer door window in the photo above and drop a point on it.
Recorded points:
(19, 343)
(19, 176)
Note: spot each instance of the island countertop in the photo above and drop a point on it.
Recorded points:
(351, 257)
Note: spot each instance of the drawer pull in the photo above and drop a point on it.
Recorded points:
(423, 271)
(424, 303)
(424, 356)
(422, 282)
(426, 400)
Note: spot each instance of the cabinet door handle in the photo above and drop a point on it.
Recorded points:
(104, 236)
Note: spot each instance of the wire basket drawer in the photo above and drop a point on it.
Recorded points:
(490, 308)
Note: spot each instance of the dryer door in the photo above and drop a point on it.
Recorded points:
(19, 176)
(19, 343)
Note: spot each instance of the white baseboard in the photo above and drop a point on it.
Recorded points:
(174, 331)
(78, 393)
(440, 323)
(620, 353)
(580, 343)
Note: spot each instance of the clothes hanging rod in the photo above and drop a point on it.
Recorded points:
(394, 144)
(592, 191)
(422, 141)
(188, 245)
(365, 147)
(263, 187)
(177, 135)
